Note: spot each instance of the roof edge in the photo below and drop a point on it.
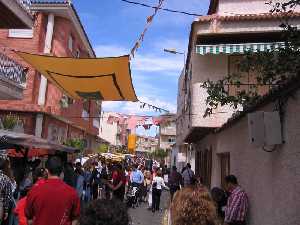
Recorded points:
(74, 17)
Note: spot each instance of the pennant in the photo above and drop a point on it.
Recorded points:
(149, 21)
(147, 126)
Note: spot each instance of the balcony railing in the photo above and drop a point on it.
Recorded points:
(11, 70)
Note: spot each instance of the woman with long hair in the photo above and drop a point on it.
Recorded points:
(192, 206)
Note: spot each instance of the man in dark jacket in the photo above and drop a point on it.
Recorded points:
(175, 181)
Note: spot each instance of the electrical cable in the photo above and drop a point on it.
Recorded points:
(164, 9)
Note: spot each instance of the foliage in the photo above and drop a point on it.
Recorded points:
(270, 68)
(103, 148)
(159, 154)
(75, 143)
(10, 121)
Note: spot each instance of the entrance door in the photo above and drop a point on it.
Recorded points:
(204, 166)
(225, 167)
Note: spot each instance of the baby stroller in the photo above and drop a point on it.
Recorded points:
(132, 196)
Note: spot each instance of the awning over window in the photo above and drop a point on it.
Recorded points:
(107, 79)
(236, 48)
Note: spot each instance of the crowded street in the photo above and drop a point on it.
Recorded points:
(149, 112)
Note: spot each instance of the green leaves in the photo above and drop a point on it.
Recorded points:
(75, 143)
(10, 121)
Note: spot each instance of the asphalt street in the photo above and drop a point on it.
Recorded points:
(143, 216)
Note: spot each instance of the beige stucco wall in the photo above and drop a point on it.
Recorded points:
(108, 131)
(229, 7)
(272, 180)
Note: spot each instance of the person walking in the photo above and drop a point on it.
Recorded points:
(157, 185)
(6, 192)
(54, 202)
(237, 203)
(175, 181)
(188, 176)
(137, 180)
(118, 183)
(95, 180)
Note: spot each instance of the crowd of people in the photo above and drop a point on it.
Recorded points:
(100, 192)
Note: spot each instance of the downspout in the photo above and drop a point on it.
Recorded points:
(43, 83)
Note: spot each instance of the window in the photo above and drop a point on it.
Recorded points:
(171, 140)
(204, 166)
(77, 55)
(20, 33)
(70, 43)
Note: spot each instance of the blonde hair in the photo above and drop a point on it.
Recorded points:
(193, 206)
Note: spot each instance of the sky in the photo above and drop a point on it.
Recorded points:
(113, 27)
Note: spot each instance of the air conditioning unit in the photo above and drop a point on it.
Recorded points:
(264, 128)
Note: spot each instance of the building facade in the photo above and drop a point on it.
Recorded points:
(220, 145)
(167, 135)
(43, 109)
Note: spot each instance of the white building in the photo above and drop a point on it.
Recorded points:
(216, 146)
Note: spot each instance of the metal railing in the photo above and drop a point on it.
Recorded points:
(12, 70)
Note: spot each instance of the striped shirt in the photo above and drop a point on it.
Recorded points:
(237, 206)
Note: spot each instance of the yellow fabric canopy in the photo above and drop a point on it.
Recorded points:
(107, 79)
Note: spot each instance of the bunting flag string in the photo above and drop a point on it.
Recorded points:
(155, 108)
(149, 21)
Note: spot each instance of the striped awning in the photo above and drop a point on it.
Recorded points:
(237, 48)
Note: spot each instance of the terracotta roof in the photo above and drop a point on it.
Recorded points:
(49, 2)
(67, 2)
(240, 17)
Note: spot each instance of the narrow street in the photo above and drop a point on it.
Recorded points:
(143, 216)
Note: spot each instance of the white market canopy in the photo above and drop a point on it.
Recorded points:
(237, 48)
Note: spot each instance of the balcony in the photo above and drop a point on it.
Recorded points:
(12, 78)
(15, 14)
(169, 131)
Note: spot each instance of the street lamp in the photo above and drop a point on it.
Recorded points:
(174, 51)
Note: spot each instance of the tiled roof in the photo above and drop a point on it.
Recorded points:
(50, 2)
(240, 17)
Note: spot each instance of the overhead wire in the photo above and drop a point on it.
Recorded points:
(164, 9)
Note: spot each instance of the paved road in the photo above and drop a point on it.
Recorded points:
(143, 216)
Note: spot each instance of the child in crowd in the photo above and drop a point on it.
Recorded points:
(20, 208)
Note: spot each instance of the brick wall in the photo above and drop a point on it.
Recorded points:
(62, 30)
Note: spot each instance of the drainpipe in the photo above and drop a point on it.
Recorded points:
(43, 84)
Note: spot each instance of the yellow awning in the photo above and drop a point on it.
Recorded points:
(107, 79)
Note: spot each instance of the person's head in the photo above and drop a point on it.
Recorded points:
(78, 165)
(174, 168)
(231, 182)
(188, 166)
(5, 167)
(39, 173)
(218, 194)
(105, 212)
(193, 206)
(159, 173)
(54, 166)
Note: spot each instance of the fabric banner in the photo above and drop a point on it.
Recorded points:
(106, 79)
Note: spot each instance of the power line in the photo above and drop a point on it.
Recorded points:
(164, 9)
